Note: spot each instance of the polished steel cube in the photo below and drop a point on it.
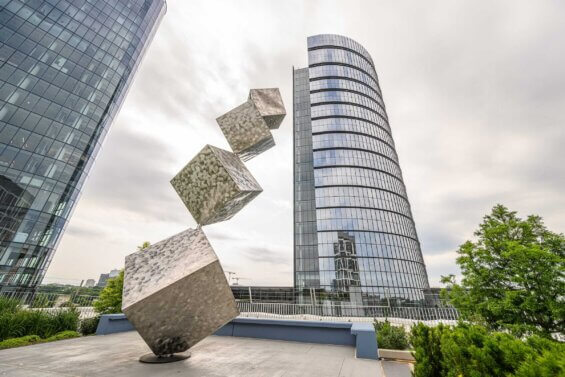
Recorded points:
(215, 185)
(246, 131)
(270, 105)
(176, 293)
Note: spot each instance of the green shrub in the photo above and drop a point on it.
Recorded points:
(426, 342)
(471, 348)
(473, 351)
(88, 326)
(33, 339)
(390, 337)
(18, 342)
(8, 305)
(549, 363)
(63, 320)
(23, 322)
(63, 335)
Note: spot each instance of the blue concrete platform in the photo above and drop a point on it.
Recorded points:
(360, 335)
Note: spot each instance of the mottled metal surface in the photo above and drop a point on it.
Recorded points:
(215, 185)
(176, 293)
(246, 131)
(270, 105)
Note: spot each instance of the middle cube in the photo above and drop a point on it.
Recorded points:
(215, 185)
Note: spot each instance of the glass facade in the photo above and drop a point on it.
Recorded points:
(65, 68)
(354, 236)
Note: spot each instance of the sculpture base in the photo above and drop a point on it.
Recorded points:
(151, 358)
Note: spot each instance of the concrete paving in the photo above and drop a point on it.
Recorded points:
(217, 356)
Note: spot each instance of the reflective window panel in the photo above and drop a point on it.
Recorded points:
(355, 238)
(65, 68)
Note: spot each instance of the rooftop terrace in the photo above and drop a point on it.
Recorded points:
(117, 355)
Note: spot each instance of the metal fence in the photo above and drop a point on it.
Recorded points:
(329, 311)
(53, 302)
(396, 315)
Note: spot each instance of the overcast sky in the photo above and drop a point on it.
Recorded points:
(474, 90)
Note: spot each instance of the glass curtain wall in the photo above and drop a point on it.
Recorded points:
(65, 68)
(355, 237)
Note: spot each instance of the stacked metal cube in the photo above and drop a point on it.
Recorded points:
(175, 291)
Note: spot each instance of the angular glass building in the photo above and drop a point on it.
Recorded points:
(65, 68)
(354, 236)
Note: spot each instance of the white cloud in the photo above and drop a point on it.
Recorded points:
(474, 92)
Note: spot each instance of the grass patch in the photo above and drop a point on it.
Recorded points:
(34, 339)
(18, 342)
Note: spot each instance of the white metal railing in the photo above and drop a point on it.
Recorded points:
(329, 311)
(53, 302)
(406, 316)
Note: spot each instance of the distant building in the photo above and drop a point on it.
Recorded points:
(102, 280)
(114, 273)
(90, 283)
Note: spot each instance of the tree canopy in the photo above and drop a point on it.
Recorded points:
(110, 299)
(144, 245)
(513, 275)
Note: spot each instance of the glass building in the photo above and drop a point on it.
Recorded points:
(65, 68)
(354, 236)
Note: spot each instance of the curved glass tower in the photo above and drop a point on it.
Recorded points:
(65, 68)
(355, 238)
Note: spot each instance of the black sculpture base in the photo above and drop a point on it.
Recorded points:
(151, 358)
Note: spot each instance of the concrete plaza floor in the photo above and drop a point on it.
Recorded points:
(117, 355)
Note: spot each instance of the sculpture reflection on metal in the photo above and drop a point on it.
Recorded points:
(248, 127)
(215, 185)
(175, 291)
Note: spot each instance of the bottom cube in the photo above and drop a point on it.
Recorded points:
(176, 293)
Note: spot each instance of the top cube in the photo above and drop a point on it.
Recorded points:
(247, 127)
(270, 105)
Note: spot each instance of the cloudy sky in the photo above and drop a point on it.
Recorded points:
(475, 93)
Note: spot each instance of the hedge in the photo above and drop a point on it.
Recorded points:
(17, 322)
(473, 351)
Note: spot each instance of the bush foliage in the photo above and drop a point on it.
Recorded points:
(88, 326)
(110, 299)
(18, 342)
(472, 351)
(68, 334)
(33, 339)
(17, 322)
(391, 337)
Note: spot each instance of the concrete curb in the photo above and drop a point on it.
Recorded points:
(396, 355)
(360, 335)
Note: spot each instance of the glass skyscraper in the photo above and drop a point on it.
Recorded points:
(65, 68)
(354, 236)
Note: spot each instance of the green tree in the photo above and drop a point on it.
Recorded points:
(144, 245)
(513, 275)
(110, 299)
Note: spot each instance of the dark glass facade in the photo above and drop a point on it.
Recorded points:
(355, 238)
(65, 68)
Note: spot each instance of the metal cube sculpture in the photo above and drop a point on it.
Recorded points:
(248, 127)
(246, 131)
(270, 105)
(175, 292)
(215, 185)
